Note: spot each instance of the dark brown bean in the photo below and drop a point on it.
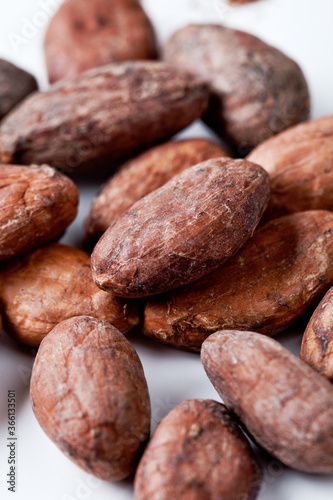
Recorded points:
(102, 115)
(15, 85)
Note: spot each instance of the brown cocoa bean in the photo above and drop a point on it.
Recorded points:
(50, 284)
(183, 230)
(317, 343)
(37, 204)
(15, 85)
(142, 175)
(285, 405)
(300, 165)
(90, 396)
(278, 275)
(198, 452)
(257, 91)
(84, 35)
(102, 115)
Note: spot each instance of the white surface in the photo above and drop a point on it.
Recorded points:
(301, 28)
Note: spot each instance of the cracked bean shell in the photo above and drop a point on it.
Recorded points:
(275, 278)
(142, 175)
(198, 452)
(50, 284)
(90, 396)
(37, 204)
(84, 35)
(183, 230)
(317, 343)
(285, 405)
(15, 85)
(256, 90)
(102, 115)
(300, 165)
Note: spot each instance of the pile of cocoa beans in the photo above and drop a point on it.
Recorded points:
(211, 246)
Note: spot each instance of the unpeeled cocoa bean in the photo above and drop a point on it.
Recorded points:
(183, 230)
(300, 165)
(37, 204)
(317, 343)
(86, 34)
(198, 452)
(142, 175)
(256, 90)
(50, 284)
(276, 277)
(90, 396)
(102, 115)
(285, 405)
(15, 85)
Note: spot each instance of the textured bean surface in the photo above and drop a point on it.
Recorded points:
(285, 405)
(257, 91)
(198, 453)
(90, 396)
(52, 283)
(141, 176)
(15, 85)
(37, 204)
(317, 344)
(102, 115)
(283, 270)
(300, 164)
(183, 230)
(84, 35)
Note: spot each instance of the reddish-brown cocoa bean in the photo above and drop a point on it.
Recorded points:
(256, 90)
(142, 175)
(279, 274)
(37, 204)
(90, 396)
(84, 35)
(183, 230)
(317, 343)
(198, 452)
(50, 284)
(300, 165)
(285, 405)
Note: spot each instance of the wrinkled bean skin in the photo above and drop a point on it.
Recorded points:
(90, 396)
(276, 277)
(317, 343)
(198, 452)
(256, 90)
(183, 230)
(285, 405)
(84, 35)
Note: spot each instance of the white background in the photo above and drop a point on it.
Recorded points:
(301, 28)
